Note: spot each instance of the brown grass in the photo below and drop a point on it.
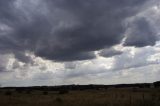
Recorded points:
(110, 97)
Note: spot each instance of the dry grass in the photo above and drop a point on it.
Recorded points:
(111, 97)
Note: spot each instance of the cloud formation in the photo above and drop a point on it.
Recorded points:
(63, 30)
(140, 33)
(65, 41)
(110, 52)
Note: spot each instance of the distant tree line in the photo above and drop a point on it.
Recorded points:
(64, 88)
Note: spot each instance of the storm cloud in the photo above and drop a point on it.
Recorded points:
(140, 34)
(110, 52)
(67, 30)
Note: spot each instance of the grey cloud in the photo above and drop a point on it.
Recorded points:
(4, 60)
(15, 65)
(70, 65)
(84, 72)
(139, 59)
(23, 57)
(2, 69)
(140, 33)
(63, 30)
(44, 76)
(110, 52)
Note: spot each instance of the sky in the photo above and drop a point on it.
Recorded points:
(61, 42)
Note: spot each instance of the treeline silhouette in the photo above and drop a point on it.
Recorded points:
(65, 88)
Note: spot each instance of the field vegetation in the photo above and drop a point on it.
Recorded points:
(99, 97)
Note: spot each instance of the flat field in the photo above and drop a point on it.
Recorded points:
(102, 97)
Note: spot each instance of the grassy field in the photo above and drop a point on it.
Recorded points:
(109, 97)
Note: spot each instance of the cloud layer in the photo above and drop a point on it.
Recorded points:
(78, 41)
(63, 30)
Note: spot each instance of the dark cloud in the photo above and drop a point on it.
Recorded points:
(23, 57)
(110, 52)
(63, 30)
(140, 34)
(15, 65)
(4, 59)
(2, 69)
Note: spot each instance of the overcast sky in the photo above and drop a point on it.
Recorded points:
(55, 42)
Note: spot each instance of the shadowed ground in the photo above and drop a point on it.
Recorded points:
(102, 97)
